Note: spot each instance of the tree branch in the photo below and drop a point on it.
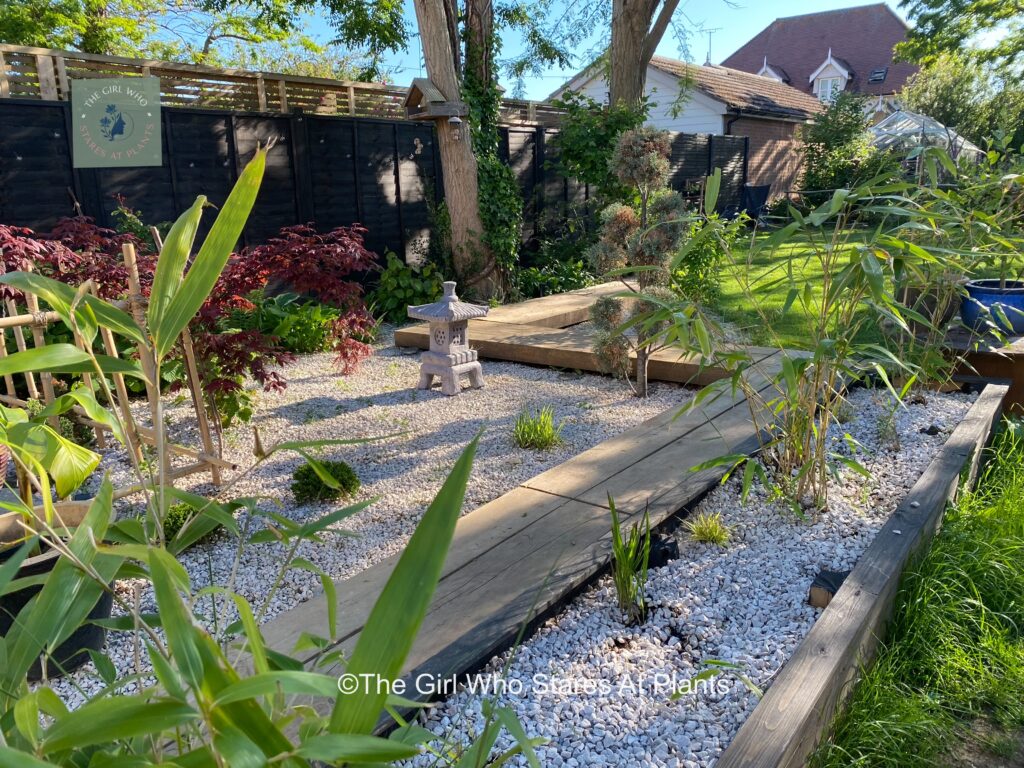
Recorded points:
(657, 31)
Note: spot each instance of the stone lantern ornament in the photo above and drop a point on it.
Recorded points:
(449, 357)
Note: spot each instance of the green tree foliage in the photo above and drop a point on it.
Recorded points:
(969, 96)
(951, 26)
(92, 26)
(219, 32)
(837, 153)
(586, 139)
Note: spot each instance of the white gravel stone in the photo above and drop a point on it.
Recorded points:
(745, 604)
(403, 472)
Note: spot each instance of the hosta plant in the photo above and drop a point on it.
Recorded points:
(202, 694)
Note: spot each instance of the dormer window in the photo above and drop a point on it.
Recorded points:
(778, 74)
(829, 88)
(831, 77)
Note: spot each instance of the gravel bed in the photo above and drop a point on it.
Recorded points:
(601, 692)
(403, 472)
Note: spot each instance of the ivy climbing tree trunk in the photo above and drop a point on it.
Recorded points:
(637, 28)
(438, 26)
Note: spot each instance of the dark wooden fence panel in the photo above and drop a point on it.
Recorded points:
(35, 165)
(331, 152)
(330, 170)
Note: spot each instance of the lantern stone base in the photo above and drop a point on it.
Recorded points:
(450, 376)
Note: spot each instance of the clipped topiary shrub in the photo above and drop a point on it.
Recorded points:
(307, 485)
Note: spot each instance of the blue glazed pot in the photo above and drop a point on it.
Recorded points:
(983, 295)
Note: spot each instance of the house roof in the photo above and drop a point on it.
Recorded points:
(748, 93)
(862, 38)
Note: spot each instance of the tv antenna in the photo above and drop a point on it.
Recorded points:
(709, 32)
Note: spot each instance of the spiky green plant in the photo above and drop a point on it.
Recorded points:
(630, 556)
(537, 431)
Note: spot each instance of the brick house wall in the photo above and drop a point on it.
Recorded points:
(774, 154)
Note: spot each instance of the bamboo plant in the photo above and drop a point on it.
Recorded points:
(205, 698)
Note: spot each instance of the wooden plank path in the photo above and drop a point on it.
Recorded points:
(537, 332)
(517, 559)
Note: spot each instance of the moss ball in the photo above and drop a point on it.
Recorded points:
(307, 485)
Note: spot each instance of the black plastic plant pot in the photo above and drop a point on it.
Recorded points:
(73, 652)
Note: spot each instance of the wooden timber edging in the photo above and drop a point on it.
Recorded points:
(800, 706)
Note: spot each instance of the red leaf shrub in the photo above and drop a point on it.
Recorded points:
(98, 256)
(308, 262)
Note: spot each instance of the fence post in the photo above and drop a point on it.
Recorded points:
(711, 154)
(539, 175)
(5, 85)
(47, 80)
(282, 92)
(398, 189)
(62, 78)
(351, 100)
(355, 171)
(261, 93)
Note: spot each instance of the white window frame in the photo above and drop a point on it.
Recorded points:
(829, 88)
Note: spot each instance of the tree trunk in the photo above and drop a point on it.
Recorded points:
(642, 356)
(636, 33)
(479, 28)
(458, 163)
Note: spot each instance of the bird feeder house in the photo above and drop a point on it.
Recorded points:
(449, 357)
(426, 102)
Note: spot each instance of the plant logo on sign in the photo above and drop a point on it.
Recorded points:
(116, 125)
(116, 122)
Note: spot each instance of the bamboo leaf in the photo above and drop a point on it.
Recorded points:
(176, 619)
(13, 758)
(61, 296)
(210, 261)
(353, 748)
(114, 719)
(395, 618)
(173, 257)
(68, 595)
(63, 358)
(269, 683)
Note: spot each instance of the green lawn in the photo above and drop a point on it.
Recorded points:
(769, 283)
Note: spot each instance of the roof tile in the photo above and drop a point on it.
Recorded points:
(751, 94)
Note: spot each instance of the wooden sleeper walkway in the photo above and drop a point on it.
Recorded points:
(518, 558)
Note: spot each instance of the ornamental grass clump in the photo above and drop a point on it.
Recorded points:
(708, 528)
(324, 481)
(630, 556)
(638, 243)
(537, 431)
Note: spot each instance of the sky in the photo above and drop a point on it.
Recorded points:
(735, 23)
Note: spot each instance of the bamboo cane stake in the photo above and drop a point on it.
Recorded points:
(19, 340)
(39, 340)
